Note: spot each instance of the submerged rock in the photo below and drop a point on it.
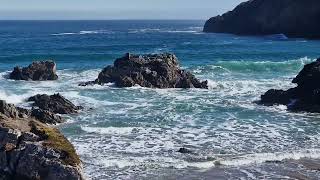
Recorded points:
(304, 97)
(30, 149)
(293, 18)
(37, 71)
(54, 103)
(184, 151)
(151, 70)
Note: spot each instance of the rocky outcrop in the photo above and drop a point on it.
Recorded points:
(43, 116)
(152, 70)
(54, 103)
(293, 18)
(304, 97)
(37, 71)
(32, 150)
(11, 111)
(46, 116)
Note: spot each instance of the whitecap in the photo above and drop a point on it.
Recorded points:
(110, 130)
(265, 157)
(61, 34)
(13, 98)
(4, 75)
(84, 32)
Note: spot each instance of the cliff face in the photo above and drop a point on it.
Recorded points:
(294, 18)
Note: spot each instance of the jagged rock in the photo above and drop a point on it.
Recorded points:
(304, 97)
(46, 116)
(152, 70)
(293, 18)
(37, 71)
(11, 111)
(30, 149)
(54, 103)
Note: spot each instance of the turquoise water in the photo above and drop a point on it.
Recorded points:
(134, 133)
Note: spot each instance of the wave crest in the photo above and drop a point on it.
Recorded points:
(253, 66)
(84, 32)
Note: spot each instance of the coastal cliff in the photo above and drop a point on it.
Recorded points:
(293, 18)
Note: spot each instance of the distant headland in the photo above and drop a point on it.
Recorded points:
(293, 18)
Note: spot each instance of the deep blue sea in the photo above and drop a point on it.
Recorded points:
(134, 133)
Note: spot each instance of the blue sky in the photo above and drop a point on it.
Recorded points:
(114, 9)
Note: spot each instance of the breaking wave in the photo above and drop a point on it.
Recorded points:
(84, 32)
(193, 30)
(254, 66)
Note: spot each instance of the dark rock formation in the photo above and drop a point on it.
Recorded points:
(43, 116)
(46, 116)
(54, 103)
(293, 18)
(37, 71)
(11, 111)
(184, 151)
(153, 71)
(304, 97)
(31, 150)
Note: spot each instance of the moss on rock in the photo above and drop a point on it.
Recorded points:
(54, 139)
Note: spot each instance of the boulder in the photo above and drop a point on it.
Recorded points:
(54, 103)
(293, 18)
(309, 76)
(30, 149)
(37, 71)
(151, 70)
(304, 97)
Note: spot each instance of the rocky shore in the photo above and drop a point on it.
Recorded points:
(150, 70)
(304, 97)
(293, 18)
(32, 149)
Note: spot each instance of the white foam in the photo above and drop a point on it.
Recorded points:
(163, 162)
(264, 157)
(154, 161)
(61, 34)
(13, 98)
(3, 75)
(83, 32)
(110, 130)
(180, 31)
(153, 30)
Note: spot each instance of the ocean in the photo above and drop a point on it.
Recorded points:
(134, 133)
